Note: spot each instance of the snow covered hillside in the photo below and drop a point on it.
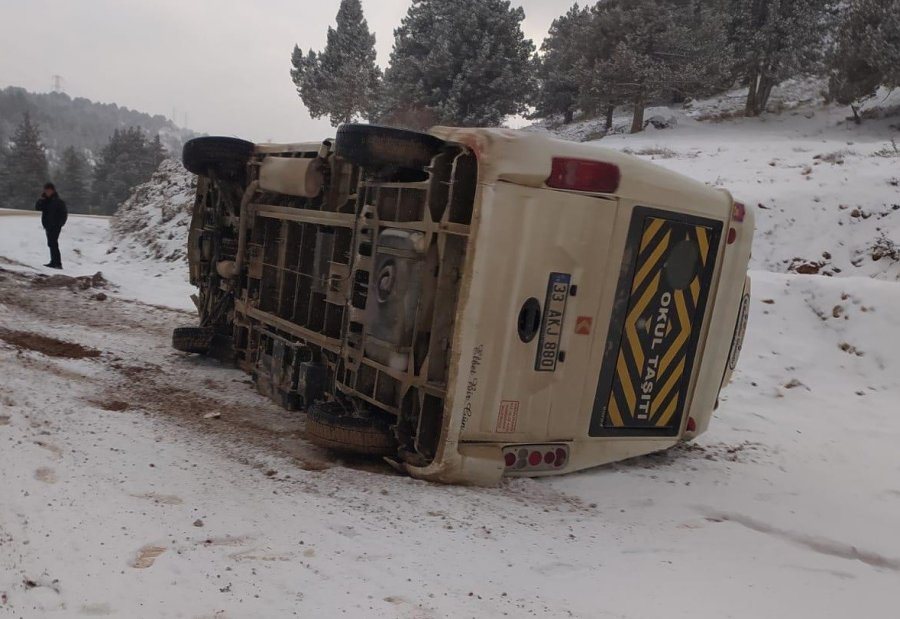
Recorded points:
(121, 498)
(827, 191)
(153, 222)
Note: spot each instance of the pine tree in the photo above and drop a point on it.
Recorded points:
(3, 181)
(561, 52)
(24, 167)
(866, 53)
(342, 81)
(652, 49)
(72, 181)
(465, 62)
(777, 39)
(156, 154)
(601, 37)
(126, 161)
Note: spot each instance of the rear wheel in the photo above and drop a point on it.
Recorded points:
(227, 157)
(333, 426)
(374, 146)
(196, 340)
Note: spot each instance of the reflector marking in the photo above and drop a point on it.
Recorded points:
(614, 414)
(666, 416)
(584, 325)
(651, 262)
(674, 377)
(703, 242)
(677, 345)
(653, 334)
(652, 229)
(627, 387)
(634, 317)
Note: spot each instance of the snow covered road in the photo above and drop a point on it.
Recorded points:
(120, 499)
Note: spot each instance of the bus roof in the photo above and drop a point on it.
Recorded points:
(526, 158)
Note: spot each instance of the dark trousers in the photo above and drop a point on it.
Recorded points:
(53, 244)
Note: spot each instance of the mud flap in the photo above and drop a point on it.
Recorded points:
(656, 322)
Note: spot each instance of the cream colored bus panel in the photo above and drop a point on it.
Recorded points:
(530, 234)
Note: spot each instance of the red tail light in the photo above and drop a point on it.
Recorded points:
(533, 458)
(584, 175)
(740, 211)
(561, 455)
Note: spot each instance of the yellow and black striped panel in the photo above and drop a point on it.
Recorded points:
(659, 307)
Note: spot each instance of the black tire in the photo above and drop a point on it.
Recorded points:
(374, 146)
(226, 156)
(330, 425)
(192, 339)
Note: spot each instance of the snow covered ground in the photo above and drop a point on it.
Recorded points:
(120, 499)
(88, 246)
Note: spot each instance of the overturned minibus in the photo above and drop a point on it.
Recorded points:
(469, 303)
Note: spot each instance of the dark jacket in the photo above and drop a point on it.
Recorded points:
(53, 211)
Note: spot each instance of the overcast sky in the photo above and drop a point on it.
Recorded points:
(222, 65)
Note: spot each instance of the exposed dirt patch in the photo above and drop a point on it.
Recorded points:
(83, 282)
(56, 450)
(134, 371)
(160, 391)
(62, 304)
(97, 610)
(146, 556)
(746, 451)
(115, 406)
(313, 466)
(156, 383)
(160, 499)
(5, 260)
(46, 475)
(47, 345)
(227, 540)
(43, 581)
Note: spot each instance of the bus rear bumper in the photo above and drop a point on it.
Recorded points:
(483, 464)
(471, 464)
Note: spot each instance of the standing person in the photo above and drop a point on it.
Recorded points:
(53, 217)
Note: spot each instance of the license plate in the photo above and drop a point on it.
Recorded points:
(552, 322)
